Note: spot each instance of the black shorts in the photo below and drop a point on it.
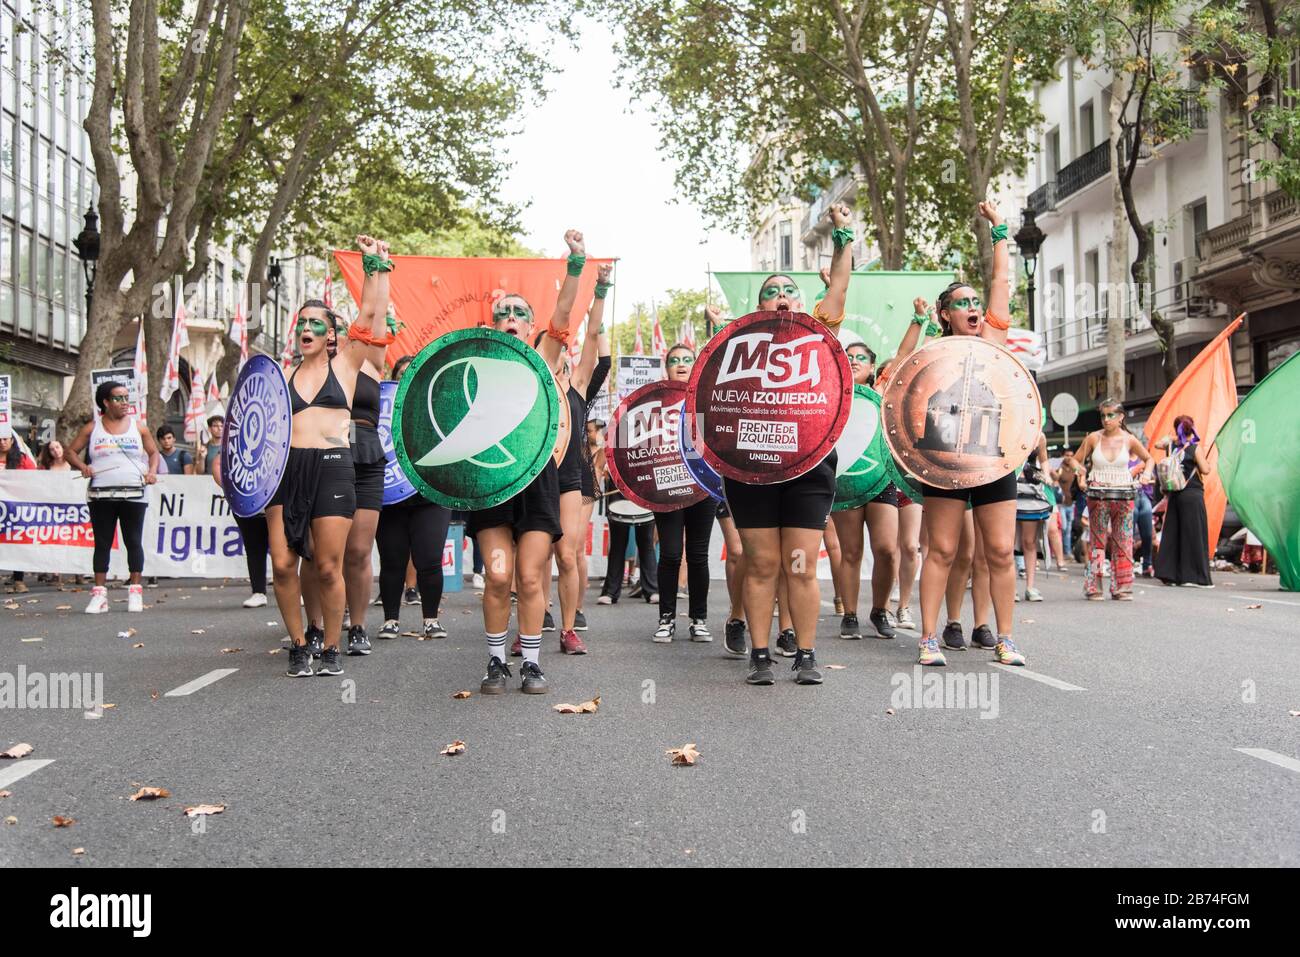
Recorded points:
(888, 497)
(571, 470)
(723, 511)
(317, 483)
(535, 509)
(368, 461)
(804, 502)
(1003, 490)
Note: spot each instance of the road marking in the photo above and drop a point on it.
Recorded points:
(1271, 601)
(1272, 757)
(192, 686)
(1056, 683)
(20, 770)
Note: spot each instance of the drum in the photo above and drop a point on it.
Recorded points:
(629, 513)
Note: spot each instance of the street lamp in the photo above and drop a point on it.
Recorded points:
(275, 275)
(87, 243)
(1029, 239)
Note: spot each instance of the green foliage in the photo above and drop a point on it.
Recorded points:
(679, 305)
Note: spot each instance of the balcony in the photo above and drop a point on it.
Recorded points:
(1088, 168)
(1042, 199)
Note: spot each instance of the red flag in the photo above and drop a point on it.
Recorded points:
(657, 344)
(688, 333)
(180, 339)
(639, 348)
(194, 411)
(1207, 391)
(141, 366)
(329, 287)
(239, 332)
(214, 394)
(286, 357)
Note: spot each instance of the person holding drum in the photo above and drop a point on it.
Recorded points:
(881, 518)
(781, 524)
(579, 385)
(518, 535)
(962, 313)
(694, 524)
(310, 515)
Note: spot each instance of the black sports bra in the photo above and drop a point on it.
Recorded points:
(365, 400)
(330, 396)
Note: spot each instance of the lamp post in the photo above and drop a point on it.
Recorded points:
(87, 244)
(1029, 240)
(275, 275)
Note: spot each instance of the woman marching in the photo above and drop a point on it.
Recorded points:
(411, 531)
(122, 460)
(881, 518)
(1184, 556)
(788, 519)
(694, 523)
(579, 385)
(1110, 491)
(961, 313)
(310, 515)
(517, 536)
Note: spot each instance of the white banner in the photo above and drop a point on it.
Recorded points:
(636, 371)
(6, 408)
(126, 376)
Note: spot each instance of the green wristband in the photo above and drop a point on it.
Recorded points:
(576, 262)
(841, 237)
(999, 232)
(373, 264)
(602, 288)
(920, 318)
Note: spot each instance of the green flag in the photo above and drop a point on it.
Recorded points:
(878, 308)
(1259, 465)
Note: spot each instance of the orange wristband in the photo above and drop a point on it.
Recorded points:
(819, 313)
(997, 322)
(561, 336)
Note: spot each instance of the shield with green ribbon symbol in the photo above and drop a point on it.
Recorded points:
(861, 473)
(475, 419)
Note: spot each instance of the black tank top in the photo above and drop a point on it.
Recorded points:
(330, 396)
(365, 399)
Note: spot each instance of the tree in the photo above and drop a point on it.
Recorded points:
(678, 306)
(164, 78)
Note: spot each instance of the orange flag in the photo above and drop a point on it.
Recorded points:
(432, 295)
(1207, 391)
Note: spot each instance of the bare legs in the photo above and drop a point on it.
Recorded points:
(358, 569)
(566, 558)
(909, 551)
(735, 567)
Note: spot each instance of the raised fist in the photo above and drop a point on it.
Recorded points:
(989, 210)
(840, 215)
(713, 312)
(920, 306)
(575, 242)
(367, 244)
(603, 272)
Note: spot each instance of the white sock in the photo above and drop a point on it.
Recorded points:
(497, 645)
(532, 645)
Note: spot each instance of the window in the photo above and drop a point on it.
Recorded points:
(24, 259)
(1053, 153)
(1087, 133)
(787, 245)
(1091, 294)
(1198, 221)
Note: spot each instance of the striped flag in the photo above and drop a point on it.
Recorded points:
(329, 288)
(239, 332)
(194, 411)
(214, 394)
(639, 348)
(141, 367)
(180, 339)
(286, 357)
(657, 344)
(688, 333)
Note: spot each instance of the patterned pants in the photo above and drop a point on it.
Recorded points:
(1110, 523)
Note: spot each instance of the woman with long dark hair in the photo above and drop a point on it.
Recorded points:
(1184, 555)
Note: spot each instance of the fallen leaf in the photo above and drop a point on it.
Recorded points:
(587, 707)
(32, 601)
(11, 819)
(129, 633)
(60, 821)
(412, 634)
(198, 631)
(153, 695)
(1253, 607)
(456, 747)
(461, 695)
(150, 794)
(199, 809)
(231, 651)
(17, 751)
(138, 644)
(836, 667)
(889, 711)
(275, 651)
(63, 608)
(78, 851)
(5, 794)
(685, 755)
(107, 706)
(12, 605)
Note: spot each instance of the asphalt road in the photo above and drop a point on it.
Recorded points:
(1125, 750)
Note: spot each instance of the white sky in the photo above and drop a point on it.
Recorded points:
(586, 159)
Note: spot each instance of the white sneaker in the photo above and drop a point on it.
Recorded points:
(477, 582)
(664, 633)
(1032, 594)
(255, 600)
(700, 630)
(604, 600)
(904, 619)
(98, 601)
(135, 598)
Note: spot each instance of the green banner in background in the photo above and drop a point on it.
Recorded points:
(879, 304)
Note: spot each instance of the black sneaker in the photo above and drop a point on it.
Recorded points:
(411, 597)
(760, 670)
(494, 682)
(534, 682)
(849, 627)
(331, 663)
(433, 628)
(358, 640)
(299, 662)
(880, 621)
(579, 621)
(733, 639)
(315, 640)
(548, 623)
(785, 643)
(953, 636)
(667, 628)
(391, 629)
(805, 668)
(983, 637)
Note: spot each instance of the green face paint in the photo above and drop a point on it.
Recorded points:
(970, 302)
(318, 326)
(775, 289)
(502, 313)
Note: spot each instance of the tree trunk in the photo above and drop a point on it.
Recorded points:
(1117, 257)
(102, 326)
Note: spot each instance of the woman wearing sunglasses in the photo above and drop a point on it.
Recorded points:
(1111, 494)
(517, 536)
(880, 516)
(310, 515)
(962, 312)
(694, 524)
(123, 459)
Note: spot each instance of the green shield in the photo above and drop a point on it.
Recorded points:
(475, 418)
(861, 472)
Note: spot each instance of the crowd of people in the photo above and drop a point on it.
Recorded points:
(328, 512)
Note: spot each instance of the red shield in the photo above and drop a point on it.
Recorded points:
(769, 397)
(645, 453)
